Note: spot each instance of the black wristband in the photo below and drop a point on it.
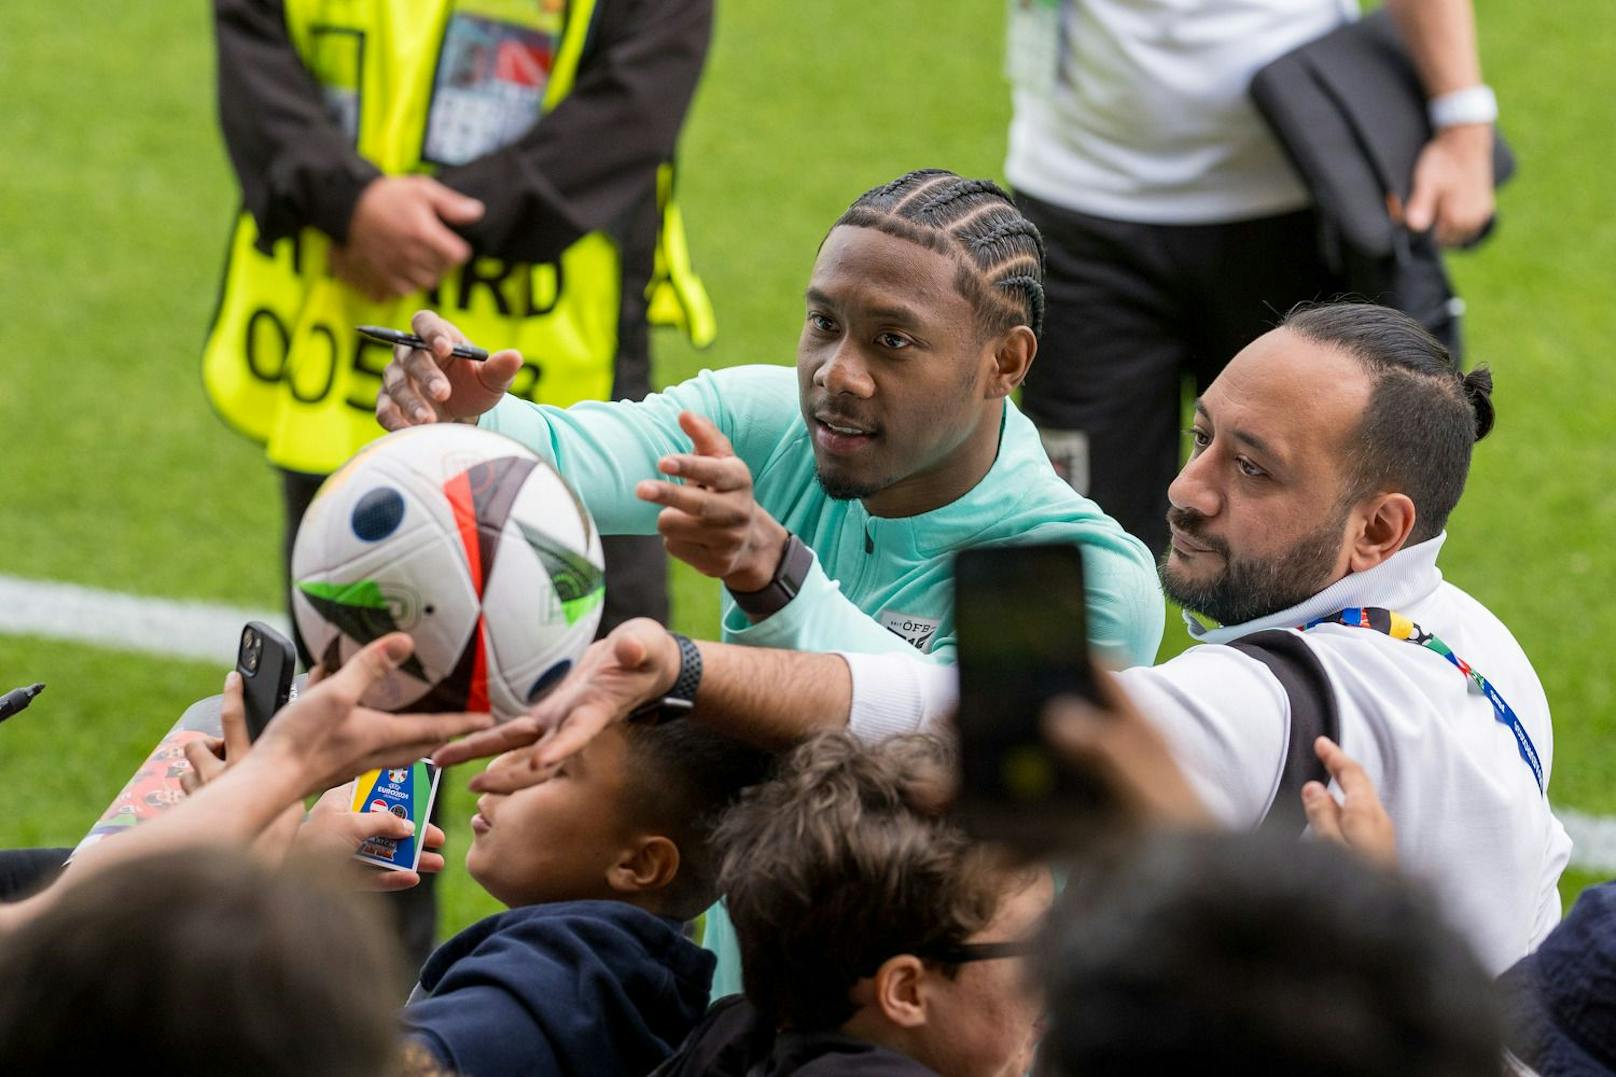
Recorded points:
(681, 697)
(795, 561)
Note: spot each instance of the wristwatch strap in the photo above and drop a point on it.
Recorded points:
(795, 561)
(681, 697)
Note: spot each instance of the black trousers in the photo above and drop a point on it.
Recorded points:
(1136, 310)
(636, 586)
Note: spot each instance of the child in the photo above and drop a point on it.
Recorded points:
(590, 970)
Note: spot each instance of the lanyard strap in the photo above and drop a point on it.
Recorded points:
(1397, 626)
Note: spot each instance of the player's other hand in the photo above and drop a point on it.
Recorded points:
(635, 664)
(326, 736)
(429, 385)
(401, 236)
(712, 522)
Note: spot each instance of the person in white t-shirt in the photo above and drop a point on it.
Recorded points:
(1328, 455)
(1176, 229)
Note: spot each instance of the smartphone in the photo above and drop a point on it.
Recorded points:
(266, 661)
(407, 792)
(1022, 636)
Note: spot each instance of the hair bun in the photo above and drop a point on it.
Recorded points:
(1478, 389)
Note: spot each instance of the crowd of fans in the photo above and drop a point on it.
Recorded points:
(1322, 840)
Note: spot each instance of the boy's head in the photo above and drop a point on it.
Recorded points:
(629, 817)
(858, 909)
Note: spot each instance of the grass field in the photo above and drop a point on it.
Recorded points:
(115, 199)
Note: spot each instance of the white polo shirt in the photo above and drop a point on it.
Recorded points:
(1469, 816)
(1137, 110)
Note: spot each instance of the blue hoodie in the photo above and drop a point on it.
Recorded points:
(571, 987)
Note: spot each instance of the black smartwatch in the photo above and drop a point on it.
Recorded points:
(793, 568)
(681, 697)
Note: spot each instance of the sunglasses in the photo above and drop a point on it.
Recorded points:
(963, 953)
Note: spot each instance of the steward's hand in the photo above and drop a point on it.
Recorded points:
(1359, 821)
(634, 665)
(1452, 194)
(326, 737)
(712, 522)
(429, 385)
(400, 237)
(333, 833)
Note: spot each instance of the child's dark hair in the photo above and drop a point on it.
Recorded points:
(1000, 253)
(682, 777)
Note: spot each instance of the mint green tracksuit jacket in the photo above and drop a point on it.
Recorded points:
(878, 584)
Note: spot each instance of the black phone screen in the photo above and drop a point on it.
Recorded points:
(1021, 629)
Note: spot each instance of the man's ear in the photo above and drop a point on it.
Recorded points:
(897, 992)
(649, 863)
(1012, 358)
(1384, 523)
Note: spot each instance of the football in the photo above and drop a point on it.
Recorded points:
(472, 544)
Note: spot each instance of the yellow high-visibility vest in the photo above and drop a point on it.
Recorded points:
(283, 363)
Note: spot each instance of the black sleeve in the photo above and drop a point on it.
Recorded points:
(595, 156)
(295, 166)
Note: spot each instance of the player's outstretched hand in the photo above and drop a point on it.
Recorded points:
(634, 665)
(1359, 820)
(333, 833)
(430, 385)
(712, 522)
(326, 736)
(1118, 745)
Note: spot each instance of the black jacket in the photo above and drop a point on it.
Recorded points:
(569, 987)
(733, 1041)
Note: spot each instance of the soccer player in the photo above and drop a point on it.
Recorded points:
(828, 501)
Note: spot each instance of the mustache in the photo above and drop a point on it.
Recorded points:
(826, 414)
(1193, 524)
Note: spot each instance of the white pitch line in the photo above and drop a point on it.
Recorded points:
(208, 632)
(199, 631)
(1593, 841)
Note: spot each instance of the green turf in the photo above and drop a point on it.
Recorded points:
(115, 200)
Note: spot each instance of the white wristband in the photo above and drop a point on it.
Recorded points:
(1476, 104)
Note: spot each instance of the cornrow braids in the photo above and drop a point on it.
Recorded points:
(999, 252)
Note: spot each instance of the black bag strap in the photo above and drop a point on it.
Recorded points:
(1313, 715)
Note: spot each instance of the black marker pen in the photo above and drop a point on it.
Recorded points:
(410, 340)
(18, 698)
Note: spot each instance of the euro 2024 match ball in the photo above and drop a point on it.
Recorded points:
(469, 542)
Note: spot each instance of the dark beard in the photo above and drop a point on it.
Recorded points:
(1248, 589)
(844, 490)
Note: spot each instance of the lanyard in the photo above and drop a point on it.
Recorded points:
(1397, 626)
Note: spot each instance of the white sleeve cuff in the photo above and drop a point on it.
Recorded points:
(898, 693)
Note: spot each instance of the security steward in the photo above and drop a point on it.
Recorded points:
(506, 160)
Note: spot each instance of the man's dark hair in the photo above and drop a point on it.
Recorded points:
(1424, 415)
(681, 779)
(842, 862)
(1260, 955)
(201, 962)
(999, 252)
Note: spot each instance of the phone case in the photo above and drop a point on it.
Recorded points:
(266, 677)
